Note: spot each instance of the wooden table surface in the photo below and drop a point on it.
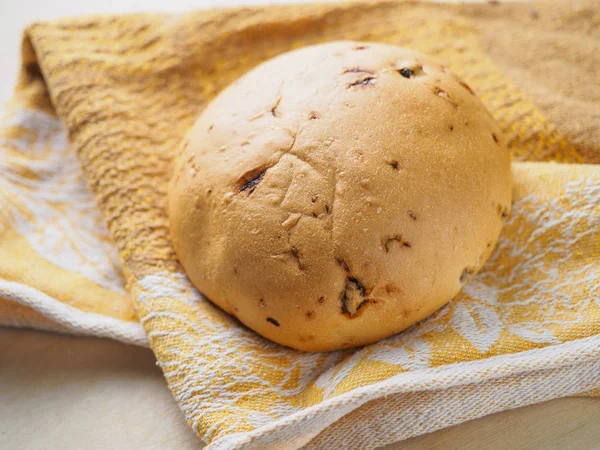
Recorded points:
(60, 392)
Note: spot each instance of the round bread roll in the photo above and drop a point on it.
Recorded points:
(337, 194)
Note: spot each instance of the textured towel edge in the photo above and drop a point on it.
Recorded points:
(66, 319)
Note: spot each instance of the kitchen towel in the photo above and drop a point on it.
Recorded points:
(86, 151)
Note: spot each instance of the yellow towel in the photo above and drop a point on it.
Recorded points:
(126, 88)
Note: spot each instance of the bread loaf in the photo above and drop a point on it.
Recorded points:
(337, 194)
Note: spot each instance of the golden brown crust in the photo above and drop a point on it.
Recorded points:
(337, 194)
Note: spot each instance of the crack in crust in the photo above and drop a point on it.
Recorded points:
(343, 264)
(444, 95)
(251, 181)
(275, 106)
(296, 257)
(466, 86)
(367, 81)
(359, 70)
(273, 321)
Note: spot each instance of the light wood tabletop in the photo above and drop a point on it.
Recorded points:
(61, 392)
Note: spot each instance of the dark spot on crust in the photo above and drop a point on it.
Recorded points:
(314, 198)
(327, 209)
(235, 309)
(397, 238)
(409, 71)
(245, 143)
(342, 264)
(466, 86)
(533, 14)
(262, 302)
(252, 182)
(352, 298)
(275, 106)
(451, 127)
(502, 211)
(273, 321)
(321, 299)
(412, 215)
(466, 123)
(393, 164)
(235, 270)
(310, 315)
(211, 127)
(361, 47)
(314, 115)
(358, 70)
(391, 288)
(495, 138)
(489, 244)
(406, 72)
(367, 81)
(466, 274)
